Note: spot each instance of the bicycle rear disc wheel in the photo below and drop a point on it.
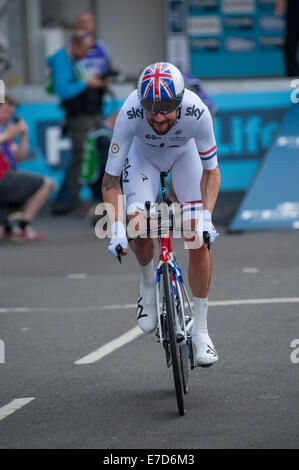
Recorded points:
(176, 366)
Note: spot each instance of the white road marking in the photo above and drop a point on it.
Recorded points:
(111, 346)
(134, 332)
(90, 308)
(219, 303)
(248, 270)
(13, 406)
(77, 276)
(15, 310)
(280, 300)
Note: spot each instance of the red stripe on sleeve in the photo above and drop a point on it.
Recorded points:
(206, 153)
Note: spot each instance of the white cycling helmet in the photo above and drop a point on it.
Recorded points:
(160, 88)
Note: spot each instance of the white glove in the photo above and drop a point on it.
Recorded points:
(118, 237)
(208, 226)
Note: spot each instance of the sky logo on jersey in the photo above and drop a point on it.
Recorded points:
(135, 113)
(193, 112)
(157, 83)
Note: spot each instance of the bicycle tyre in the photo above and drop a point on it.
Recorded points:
(176, 369)
(183, 350)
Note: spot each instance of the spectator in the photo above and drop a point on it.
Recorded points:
(291, 8)
(18, 189)
(96, 147)
(98, 62)
(97, 59)
(76, 88)
(95, 154)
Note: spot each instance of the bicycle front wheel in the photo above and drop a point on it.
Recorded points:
(176, 366)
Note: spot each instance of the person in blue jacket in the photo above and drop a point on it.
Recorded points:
(76, 86)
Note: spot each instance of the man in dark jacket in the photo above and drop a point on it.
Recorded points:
(291, 9)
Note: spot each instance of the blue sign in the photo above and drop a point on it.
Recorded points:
(245, 126)
(273, 199)
(235, 38)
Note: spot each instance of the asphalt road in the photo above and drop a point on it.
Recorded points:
(66, 297)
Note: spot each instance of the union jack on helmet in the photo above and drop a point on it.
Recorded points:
(160, 88)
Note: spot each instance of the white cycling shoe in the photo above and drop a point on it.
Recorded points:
(146, 309)
(204, 352)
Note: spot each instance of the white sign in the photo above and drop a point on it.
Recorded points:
(55, 144)
(238, 6)
(283, 211)
(239, 44)
(271, 23)
(206, 25)
(289, 141)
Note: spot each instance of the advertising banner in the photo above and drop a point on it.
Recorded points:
(245, 126)
(273, 198)
(229, 38)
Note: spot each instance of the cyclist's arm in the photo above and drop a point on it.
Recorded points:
(209, 185)
(119, 148)
(111, 190)
(207, 149)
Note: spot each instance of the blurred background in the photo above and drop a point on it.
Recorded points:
(235, 48)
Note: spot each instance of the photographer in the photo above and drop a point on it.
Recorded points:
(77, 89)
(97, 60)
(23, 190)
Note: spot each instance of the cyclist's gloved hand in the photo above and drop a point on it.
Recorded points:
(208, 226)
(118, 237)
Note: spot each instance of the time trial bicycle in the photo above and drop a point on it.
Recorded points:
(174, 308)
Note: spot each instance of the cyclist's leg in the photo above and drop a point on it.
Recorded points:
(186, 176)
(188, 168)
(140, 184)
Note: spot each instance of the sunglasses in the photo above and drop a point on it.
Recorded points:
(163, 107)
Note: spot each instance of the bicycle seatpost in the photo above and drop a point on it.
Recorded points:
(148, 216)
(119, 250)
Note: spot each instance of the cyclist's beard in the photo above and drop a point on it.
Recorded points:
(163, 127)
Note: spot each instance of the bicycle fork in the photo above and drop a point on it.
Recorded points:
(178, 301)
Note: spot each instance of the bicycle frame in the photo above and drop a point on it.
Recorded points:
(179, 291)
(166, 256)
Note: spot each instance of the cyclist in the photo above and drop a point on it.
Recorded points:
(163, 126)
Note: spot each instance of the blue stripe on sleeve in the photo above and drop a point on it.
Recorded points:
(208, 158)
